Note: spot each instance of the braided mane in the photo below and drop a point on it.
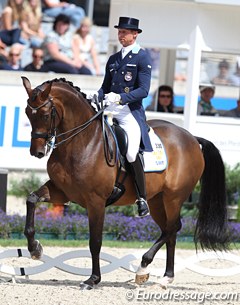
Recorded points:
(63, 80)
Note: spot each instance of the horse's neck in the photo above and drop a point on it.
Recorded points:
(76, 114)
(76, 111)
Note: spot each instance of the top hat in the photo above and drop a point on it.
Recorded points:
(128, 23)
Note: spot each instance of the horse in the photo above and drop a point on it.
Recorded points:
(79, 171)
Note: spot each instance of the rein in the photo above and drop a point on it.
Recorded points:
(77, 129)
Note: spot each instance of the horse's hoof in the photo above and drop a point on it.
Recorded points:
(142, 275)
(37, 252)
(165, 281)
(90, 283)
(85, 286)
(141, 278)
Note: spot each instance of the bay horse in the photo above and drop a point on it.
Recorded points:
(79, 172)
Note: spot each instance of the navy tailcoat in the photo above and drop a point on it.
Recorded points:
(130, 77)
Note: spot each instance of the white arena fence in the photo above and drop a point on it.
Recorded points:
(126, 262)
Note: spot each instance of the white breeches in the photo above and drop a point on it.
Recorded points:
(127, 121)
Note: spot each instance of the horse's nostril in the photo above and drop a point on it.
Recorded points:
(40, 155)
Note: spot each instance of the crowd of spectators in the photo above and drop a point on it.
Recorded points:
(163, 101)
(67, 46)
(25, 45)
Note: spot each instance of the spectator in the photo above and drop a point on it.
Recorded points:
(14, 57)
(236, 76)
(222, 78)
(31, 23)
(60, 54)
(3, 48)
(204, 105)
(12, 14)
(86, 45)
(3, 57)
(12, 17)
(9, 37)
(235, 112)
(37, 64)
(165, 100)
(53, 8)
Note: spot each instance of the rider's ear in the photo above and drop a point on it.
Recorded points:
(27, 85)
(46, 91)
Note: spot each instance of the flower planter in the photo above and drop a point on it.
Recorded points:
(109, 236)
(46, 235)
(71, 236)
(17, 235)
(185, 238)
(82, 236)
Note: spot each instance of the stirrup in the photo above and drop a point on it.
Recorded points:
(143, 209)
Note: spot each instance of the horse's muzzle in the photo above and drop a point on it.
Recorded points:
(37, 149)
(37, 153)
(40, 155)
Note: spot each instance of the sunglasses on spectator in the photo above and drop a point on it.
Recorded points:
(14, 54)
(37, 56)
(165, 96)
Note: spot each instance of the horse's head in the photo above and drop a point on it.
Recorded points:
(41, 113)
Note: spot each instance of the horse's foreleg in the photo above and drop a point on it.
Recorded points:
(96, 220)
(45, 193)
(34, 247)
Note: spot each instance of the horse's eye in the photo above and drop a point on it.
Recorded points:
(45, 117)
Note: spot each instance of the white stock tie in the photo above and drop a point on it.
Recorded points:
(123, 53)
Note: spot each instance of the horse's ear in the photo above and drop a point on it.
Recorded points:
(46, 91)
(27, 85)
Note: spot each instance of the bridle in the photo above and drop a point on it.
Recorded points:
(51, 135)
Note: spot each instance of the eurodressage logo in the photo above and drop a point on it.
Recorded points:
(198, 297)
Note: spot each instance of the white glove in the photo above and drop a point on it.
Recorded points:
(91, 94)
(112, 98)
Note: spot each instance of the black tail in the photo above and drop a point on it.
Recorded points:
(211, 229)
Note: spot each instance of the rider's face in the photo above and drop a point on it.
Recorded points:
(127, 37)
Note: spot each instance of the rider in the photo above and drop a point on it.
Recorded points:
(126, 82)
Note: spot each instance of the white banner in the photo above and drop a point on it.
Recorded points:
(15, 131)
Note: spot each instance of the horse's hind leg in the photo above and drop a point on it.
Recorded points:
(41, 195)
(169, 227)
(169, 272)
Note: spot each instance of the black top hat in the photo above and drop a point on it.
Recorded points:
(128, 23)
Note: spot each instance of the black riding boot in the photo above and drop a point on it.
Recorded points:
(139, 182)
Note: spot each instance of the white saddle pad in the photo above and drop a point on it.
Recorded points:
(156, 160)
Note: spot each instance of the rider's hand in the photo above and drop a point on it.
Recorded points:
(112, 98)
(90, 95)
